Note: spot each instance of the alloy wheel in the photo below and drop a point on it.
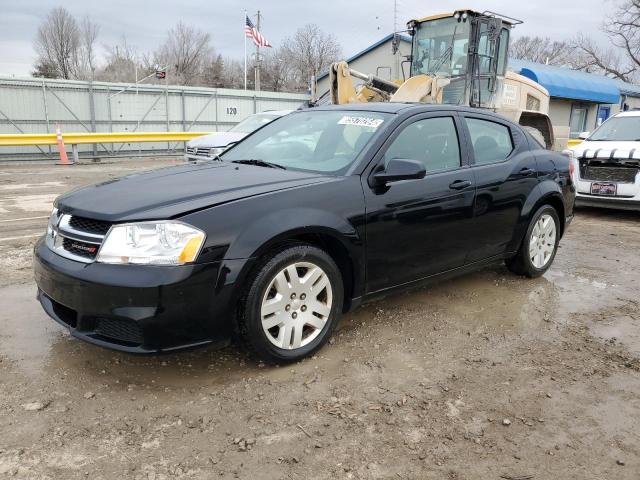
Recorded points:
(543, 241)
(296, 305)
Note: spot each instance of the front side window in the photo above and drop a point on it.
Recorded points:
(491, 141)
(326, 141)
(432, 141)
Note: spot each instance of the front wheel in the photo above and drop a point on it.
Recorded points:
(293, 303)
(539, 245)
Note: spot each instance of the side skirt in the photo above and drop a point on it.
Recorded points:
(421, 282)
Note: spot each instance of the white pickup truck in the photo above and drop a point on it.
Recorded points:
(606, 166)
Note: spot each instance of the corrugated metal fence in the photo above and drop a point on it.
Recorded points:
(38, 105)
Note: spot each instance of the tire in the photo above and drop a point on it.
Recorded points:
(283, 318)
(539, 246)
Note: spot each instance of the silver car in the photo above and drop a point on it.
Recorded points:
(208, 146)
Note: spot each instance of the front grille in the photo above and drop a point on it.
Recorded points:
(87, 225)
(201, 151)
(81, 249)
(618, 173)
(77, 238)
(119, 329)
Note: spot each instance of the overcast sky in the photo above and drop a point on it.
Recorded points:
(356, 23)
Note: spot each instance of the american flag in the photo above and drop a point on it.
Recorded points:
(252, 32)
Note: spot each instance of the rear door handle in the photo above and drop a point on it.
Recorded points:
(459, 184)
(527, 171)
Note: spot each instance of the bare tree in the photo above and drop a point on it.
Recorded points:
(541, 50)
(121, 63)
(309, 52)
(233, 74)
(57, 43)
(622, 61)
(86, 57)
(186, 51)
(277, 72)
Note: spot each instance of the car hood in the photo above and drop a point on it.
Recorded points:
(621, 150)
(174, 191)
(221, 139)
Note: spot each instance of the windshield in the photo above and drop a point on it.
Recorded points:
(253, 122)
(440, 47)
(312, 140)
(618, 129)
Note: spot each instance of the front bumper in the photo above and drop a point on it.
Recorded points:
(133, 308)
(627, 193)
(608, 202)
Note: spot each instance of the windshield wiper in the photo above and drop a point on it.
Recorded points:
(259, 163)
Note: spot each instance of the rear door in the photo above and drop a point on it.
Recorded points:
(416, 228)
(505, 173)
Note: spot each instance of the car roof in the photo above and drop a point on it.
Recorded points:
(405, 107)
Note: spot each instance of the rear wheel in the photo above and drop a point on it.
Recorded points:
(293, 303)
(539, 245)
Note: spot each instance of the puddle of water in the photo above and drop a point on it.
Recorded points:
(39, 347)
(26, 334)
(485, 300)
(624, 329)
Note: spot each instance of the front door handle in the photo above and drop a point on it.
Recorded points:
(526, 171)
(459, 184)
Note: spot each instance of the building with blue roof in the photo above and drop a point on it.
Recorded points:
(580, 101)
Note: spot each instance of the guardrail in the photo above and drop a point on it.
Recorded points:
(31, 139)
(75, 139)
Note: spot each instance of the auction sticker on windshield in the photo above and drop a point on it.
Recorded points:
(361, 121)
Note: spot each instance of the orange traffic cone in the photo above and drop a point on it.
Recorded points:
(64, 160)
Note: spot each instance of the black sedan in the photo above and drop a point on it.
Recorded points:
(303, 220)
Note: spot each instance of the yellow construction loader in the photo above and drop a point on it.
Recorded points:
(457, 58)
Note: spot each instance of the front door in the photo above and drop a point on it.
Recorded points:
(416, 228)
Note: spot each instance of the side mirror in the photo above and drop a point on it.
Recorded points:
(584, 135)
(400, 169)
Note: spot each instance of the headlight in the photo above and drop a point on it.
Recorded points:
(216, 151)
(153, 243)
(53, 221)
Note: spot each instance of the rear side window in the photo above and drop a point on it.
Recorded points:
(432, 141)
(491, 141)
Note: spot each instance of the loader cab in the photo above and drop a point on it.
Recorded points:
(466, 47)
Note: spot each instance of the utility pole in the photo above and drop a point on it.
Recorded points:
(257, 79)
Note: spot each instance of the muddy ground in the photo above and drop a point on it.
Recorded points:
(487, 376)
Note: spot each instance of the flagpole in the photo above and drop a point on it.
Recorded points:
(245, 49)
